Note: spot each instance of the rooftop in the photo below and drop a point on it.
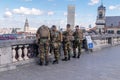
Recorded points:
(113, 21)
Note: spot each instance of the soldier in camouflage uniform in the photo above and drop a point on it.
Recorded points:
(67, 38)
(77, 43)
(43, 38)
(55, 42)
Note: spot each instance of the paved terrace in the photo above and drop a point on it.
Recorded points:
(99, 65)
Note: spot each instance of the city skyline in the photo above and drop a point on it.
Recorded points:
(38, 12)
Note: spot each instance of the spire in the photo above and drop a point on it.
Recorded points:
(101, 2)
(26, 23)
(101, 6)
(26, 26)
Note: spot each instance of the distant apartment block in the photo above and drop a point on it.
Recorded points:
(5, 30)
(71, 16)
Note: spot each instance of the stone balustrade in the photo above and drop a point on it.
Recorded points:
(105, 40)
(16, 52)
(20, 53)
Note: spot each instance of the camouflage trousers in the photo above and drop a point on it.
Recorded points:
(77, 44)
(55, 48)
(67, 48)
(43, 51)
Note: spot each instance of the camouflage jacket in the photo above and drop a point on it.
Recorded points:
(42, 35)
(78, 35)
(67, 36)
(55, 36)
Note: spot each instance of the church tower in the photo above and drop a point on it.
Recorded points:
(100, 22)
(26, 26)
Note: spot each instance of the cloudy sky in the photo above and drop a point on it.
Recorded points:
(14, 12)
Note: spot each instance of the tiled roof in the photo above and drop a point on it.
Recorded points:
(112, 21)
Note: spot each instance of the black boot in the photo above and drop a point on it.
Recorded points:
(74, 56)
(65, 59)
(79, 55)
(69, 57)
(40, 63)
(55, 62)
(46, 63)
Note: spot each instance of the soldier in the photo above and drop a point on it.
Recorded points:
(55, 42)
(51, 48)
(43, 38)
(77, 43)
(67, 38)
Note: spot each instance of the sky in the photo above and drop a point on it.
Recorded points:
(38, 12)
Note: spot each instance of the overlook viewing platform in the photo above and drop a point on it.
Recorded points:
(99, 65)
(23, 51)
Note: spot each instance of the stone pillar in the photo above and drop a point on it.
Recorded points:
(20, 53)
(14, 54)
(112, 41)
(105, 41)
(118, 39)
(6, 55)
(26, 52)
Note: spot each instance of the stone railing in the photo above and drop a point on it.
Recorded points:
(101, 41)
(23, 52)
(16, 52)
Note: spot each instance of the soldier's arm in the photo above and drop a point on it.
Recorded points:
(61, 37)
(73, 33)
(37, 36)
(81, 32)
(49, 36)
(37, 33)
(64, 33)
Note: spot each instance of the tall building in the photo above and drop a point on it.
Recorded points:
(71, 16)
(100, 22)
(29, 29)
(26, 26)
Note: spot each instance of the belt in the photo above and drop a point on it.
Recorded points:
(43, 37)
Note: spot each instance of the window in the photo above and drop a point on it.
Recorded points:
(118, 32)
(110, 31)
(100, 15)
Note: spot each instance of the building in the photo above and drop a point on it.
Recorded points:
(113, 24)
(100, 22)
(29, 29)
(107, 24)
(5, 30)
(71, 16)
(26, 26)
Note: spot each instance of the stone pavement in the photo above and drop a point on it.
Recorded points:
(99, 65)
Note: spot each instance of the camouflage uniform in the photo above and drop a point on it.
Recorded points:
(67, 38)
(55, 43)
(77, 43)
(43, 43)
